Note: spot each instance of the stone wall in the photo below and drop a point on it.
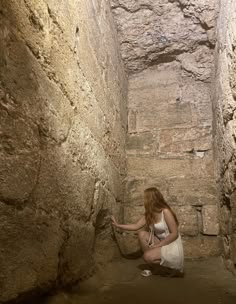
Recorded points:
(167, 47)
(225, 127)
(62, 141)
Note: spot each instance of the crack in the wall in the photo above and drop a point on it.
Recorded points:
(128, 10)
(54, 19)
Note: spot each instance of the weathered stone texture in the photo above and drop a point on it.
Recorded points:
(167, 47)
(225, 125)
(155, 31)
(128, 243)
(62, 141)
(202, 246)
(210, 220)
(188, 219)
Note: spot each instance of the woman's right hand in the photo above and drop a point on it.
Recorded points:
(114, 222)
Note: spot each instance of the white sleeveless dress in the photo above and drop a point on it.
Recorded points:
(172, 255)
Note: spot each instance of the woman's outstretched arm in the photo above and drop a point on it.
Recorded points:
(131, 227)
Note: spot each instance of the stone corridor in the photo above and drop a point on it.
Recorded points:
(100, 99)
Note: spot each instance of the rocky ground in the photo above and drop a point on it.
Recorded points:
(205, 281)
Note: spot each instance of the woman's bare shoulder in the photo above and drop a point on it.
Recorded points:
(166, 210)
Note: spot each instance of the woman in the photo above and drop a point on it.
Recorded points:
(162, 244)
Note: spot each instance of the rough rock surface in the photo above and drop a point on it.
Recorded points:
(168, 50)
(156, 31)
(225, 126)
(62, 103)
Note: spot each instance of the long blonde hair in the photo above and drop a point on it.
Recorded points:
(155, 202)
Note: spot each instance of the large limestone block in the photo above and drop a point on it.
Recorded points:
(63, 123)
(179, 140)
(154, 99)
(162, 98)
(133, 213)
(155, 86)
(105, 249)
(202, 247)
(142, 143)
(60, 181)
(188, 220)
(200, 191)
(29, 255)
(166, 168)
(19, 158)
(197, 191)
(103, 202)
(104, 206)
(210, 220)
(84, 148)
(128, 243)
(135, 189)
(167, 117)
(76, 256)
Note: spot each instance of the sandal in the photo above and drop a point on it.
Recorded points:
(146, 273)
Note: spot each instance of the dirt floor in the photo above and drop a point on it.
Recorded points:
(205, 282)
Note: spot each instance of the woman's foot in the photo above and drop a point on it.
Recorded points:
(174, 273)
(146, 273)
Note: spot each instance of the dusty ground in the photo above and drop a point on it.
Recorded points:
(205, 282)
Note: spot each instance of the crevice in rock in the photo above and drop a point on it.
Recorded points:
(141, 7)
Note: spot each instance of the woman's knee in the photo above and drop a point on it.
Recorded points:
(147, 257)
(142, 234)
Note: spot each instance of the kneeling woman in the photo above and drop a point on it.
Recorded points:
(162, 243)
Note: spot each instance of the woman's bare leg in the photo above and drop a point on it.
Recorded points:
(152, 255)
(143, 239)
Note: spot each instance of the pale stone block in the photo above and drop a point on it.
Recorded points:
(188, 220)
(165, 116)
(210, 220)
(185, 139)
(128, 242)
(153, 167)
(202, 247)
(132, 121)
(198, 191)
(141, 143)
(133, 213)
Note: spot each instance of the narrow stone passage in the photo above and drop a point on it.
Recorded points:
(205, 282)
(100, 100)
